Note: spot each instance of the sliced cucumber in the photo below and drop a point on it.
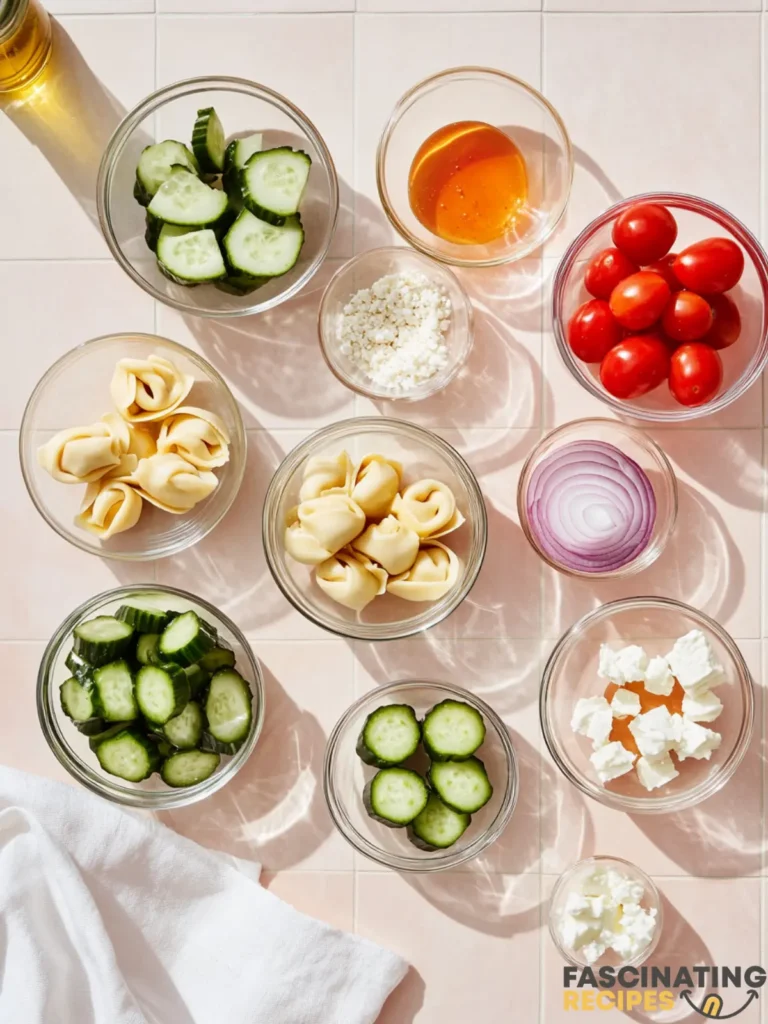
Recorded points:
(162, 692)
(189, 767)
(185, 639)
(273, 182)
(190, 257)
(76, 701)
(146, 648)
(208, 142)
(395, 796)
(236, 156)
(219, 657)
(152, 229)
(156, 165)
(438, 826)
(186, 729)
(258, 249)
(240, 284)
(198, 678)
(80, 668)
(104, 734)
(101, 640)
(462, 785)
(228, 707)
(452, 731)
(188, 202)
(144, 617)
(128, 754)
(114, 699)
(391, 734)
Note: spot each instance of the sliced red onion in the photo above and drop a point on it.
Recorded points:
(590, 507)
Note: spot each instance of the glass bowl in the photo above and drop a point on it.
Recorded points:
(244, 107)
(75, 390)
(651, 901)
(571, 672)
(70, 747)
(345, 776)
(638, 446)
(362, 272)
(743, 361)
(506, 102)
(422, 454)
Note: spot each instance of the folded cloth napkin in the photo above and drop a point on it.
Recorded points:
(110, 918)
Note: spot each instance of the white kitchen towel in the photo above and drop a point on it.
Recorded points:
(110, 918)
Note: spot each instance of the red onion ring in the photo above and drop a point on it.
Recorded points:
(590, 507)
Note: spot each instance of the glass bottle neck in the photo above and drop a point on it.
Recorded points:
(11, 15)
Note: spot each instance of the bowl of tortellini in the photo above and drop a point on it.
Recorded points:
(374, 528)
(132, 447)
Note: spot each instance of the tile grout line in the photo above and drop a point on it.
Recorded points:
(542, 582)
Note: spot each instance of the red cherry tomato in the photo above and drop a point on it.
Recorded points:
(695, 373)
(645, 232)
(639, 300)
(726, 323)
(605, 271)
(592, 331)
(687, 317)
(663, 268)
(710, 266)
(635, 366)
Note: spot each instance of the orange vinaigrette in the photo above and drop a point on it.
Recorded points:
(467, 182)
(648, 701)
(25, 42)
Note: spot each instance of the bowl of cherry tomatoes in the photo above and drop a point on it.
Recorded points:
(660, 307)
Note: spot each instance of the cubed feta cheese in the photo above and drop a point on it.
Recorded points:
(701, 705)
(592, 717)
(696, 741)
(625, 704)
(658, 678)
(693, 662)
(656, 731)
(623, 666)
(612, 760)
(593, 952)
(657, 772)
(624, 889)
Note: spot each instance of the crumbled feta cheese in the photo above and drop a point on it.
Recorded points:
(625, 704)
(593, 717)
(656, 772)
(693, 662)
(701, 705)
(624, 666)
(635, 930)
(696, 741)
(593, 951)
(658, 678)
(395, 330)
(656, 731)
(611, 761)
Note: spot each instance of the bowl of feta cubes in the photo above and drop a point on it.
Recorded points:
(647, 705)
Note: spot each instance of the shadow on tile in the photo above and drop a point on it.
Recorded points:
(405, 1002)
(730, 469)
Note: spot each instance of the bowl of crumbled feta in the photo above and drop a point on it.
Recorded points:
(647, 705)
(605, 912)
(394, 324)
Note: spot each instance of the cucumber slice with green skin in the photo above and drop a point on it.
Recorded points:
(198, 679)
(258, 249)
(162, 692)
(146, 649)
(186, 201)
(208, 141)
(395, 796)
(208, 742)
(92, 727)
(186, 639)
(391, 734)
(101, 640)
(438, 826)
(104, 734)
(144, 618)
(452, 731)
(186, 729)
(152, 230)
(240, 284)
(76, 701)
(236, 156)
(190, 257)
(228, 707)
(273, 182)
(128, 754)
(219, 657)
(462, 785)
(114, 699)
(188, 767)
(156, 165)
(80, 668)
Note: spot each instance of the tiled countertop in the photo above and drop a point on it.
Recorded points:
(657, 94)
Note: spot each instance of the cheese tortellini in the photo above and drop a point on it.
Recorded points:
(393, 546)
(109, 507)
(81, 455)
(377, 481)
(300, 544)
(171, 483)
(197, 435)
(333, 520)
(326, 473)
(428, 507)
(148, 389)
(351, 579)
(435, 572)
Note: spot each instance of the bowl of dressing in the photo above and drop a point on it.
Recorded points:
(474, 167)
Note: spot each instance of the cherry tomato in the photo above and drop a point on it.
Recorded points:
(695, 373)
(592, 331)
(639, 300)
(726, 323)
(635, 366)
(687, 316)
(710, 266)
(605, 271)
(645, 232)
(663, 268)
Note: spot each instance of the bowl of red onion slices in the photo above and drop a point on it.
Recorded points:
(597, 498)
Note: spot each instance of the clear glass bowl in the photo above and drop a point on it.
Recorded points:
(244, 107)
(71, 748)
(571, 673)
(506, 102)
(75, 391)
(638, 446)
(423, 454)
(570, 879)
(345, 776)
(743, 362)
(362, 272)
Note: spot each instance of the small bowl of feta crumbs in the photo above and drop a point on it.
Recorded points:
(647, 705)
(605, 912)
(394, 324)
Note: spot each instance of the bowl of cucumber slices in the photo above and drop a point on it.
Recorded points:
(420, 776)
(218, 197)
(150, 697)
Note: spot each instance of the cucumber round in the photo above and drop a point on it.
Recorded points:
(228, 707)
(188, 767)
(438, 826)
(186, 729)
(391, 734)
(162, 692)
(101, 640)
(128, 754)
(452, 731)
(462, 785)
(395, 796)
